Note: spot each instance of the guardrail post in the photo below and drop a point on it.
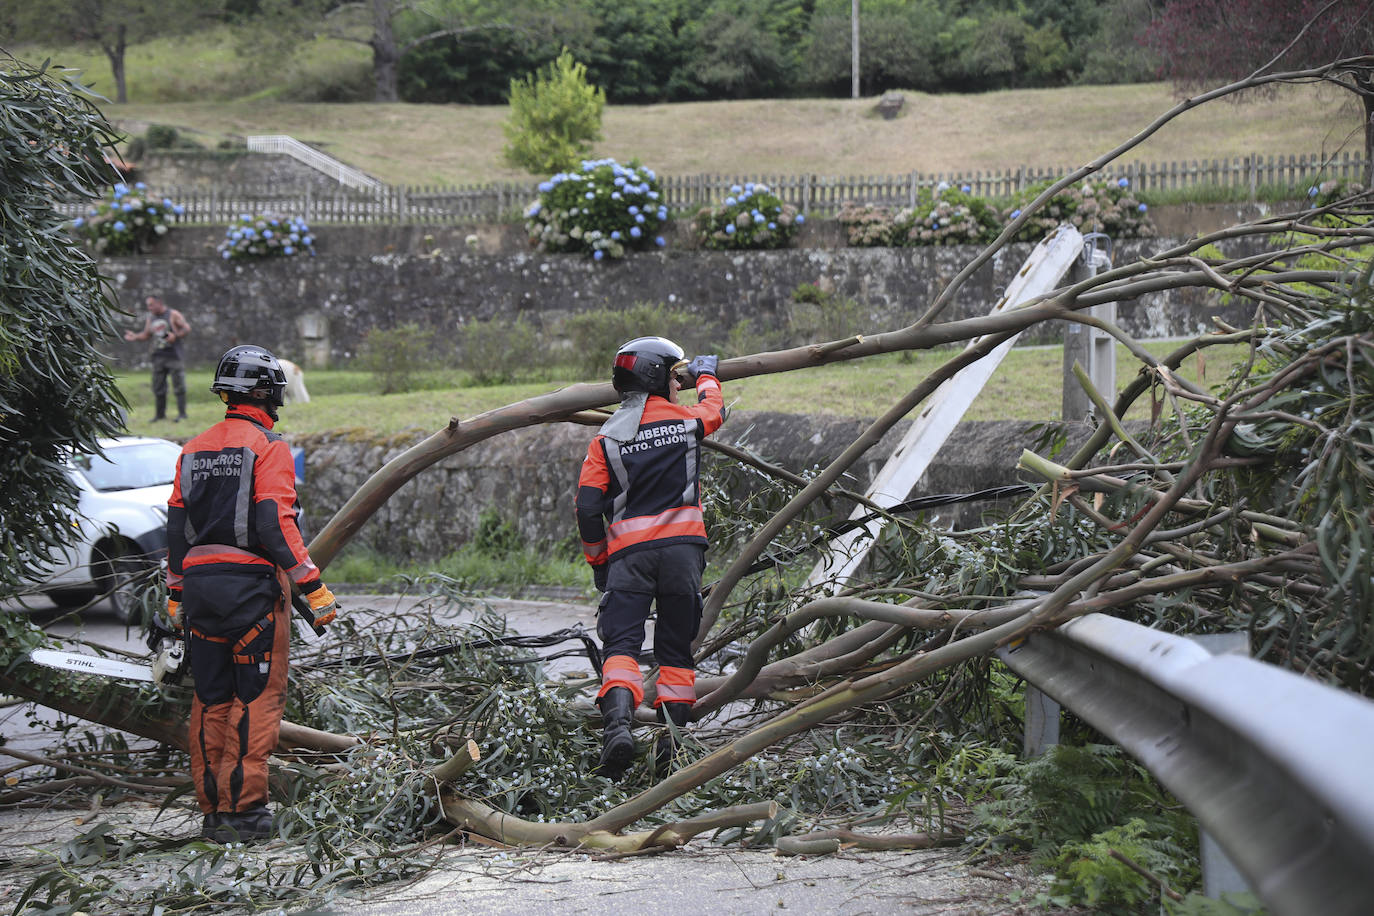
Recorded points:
(1042, 723)
(1219, 873)
(1095, 350)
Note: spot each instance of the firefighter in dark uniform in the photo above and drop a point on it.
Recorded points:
(234, 550)
(639, 517)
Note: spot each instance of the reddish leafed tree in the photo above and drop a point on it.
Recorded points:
(1205, 41)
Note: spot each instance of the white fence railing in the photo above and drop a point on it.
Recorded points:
(359, 198)
(341, 172)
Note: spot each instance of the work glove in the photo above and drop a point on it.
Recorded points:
(599, 576)
(174, 612)
(702, 365)
(323, 605)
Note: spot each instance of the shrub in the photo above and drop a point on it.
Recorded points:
(555, 115)
(1106, 205)
(161, 136)
(494, 351)
(752, 217)
(265, 236)
(946, 217)
(818, 314)
(594, 336)
(943, 217)
(603, 208)
(395, 356)
(866, 225)
(127, 221)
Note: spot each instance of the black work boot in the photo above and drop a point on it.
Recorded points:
(667, 744)
(617, 744)
(181, 407)
(160, 407)
(209, 825)
(244, 826)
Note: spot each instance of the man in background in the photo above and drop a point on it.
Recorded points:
(165, 328)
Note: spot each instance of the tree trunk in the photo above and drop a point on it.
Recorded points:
(385, 55)
(115, 52)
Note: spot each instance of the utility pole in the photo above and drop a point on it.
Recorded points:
(854, 49)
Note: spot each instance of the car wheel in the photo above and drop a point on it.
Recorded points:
(122, 570)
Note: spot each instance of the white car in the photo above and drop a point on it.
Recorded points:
(121, 524)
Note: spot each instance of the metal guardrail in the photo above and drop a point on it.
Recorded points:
(343, 173)
(1276, 767)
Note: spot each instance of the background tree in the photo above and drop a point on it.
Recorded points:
(748, 50)
(1115, 53)
(555, 116)
(394, 28)
(1201, 41)
(110, 25)
(900, 45)
(55, 392)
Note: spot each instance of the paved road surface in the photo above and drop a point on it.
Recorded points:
(698, 879)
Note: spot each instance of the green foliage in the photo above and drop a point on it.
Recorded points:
(497, 351)
(56, 312)
(127, 221)
(1073, 805)
(265, 235)
(1089, 873)
(947, 217)
(752, 217)
(603, 209)
(951, 216)
(1105, 205)
(496, 535)
(1314, 441)
(555, 117)
(396, 356)
(742, 49)
(161, 136)
(817, 314)
(594, 336)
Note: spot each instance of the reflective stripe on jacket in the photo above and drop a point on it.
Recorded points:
(234, 501)
(648, 489)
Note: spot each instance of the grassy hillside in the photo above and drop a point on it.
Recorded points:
(460, 144)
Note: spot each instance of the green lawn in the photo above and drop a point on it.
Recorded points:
(1027, 386)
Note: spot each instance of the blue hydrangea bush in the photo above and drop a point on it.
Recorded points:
(265, 235)
(127, 221)
(1105, 205)
(751, 217)
(953, 216)
(603, 209)
(945, 216)
(948, 217)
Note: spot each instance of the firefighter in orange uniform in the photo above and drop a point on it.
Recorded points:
(639, 517)
(234, 550)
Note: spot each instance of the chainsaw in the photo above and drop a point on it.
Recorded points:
(169, 667)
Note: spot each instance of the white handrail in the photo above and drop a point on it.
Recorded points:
(301, 152)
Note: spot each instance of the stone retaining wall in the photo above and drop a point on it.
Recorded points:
(317, 310)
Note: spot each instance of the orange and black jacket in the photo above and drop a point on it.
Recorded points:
(648, 489)
(233, 504)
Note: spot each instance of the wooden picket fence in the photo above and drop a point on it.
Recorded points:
(811, 194)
